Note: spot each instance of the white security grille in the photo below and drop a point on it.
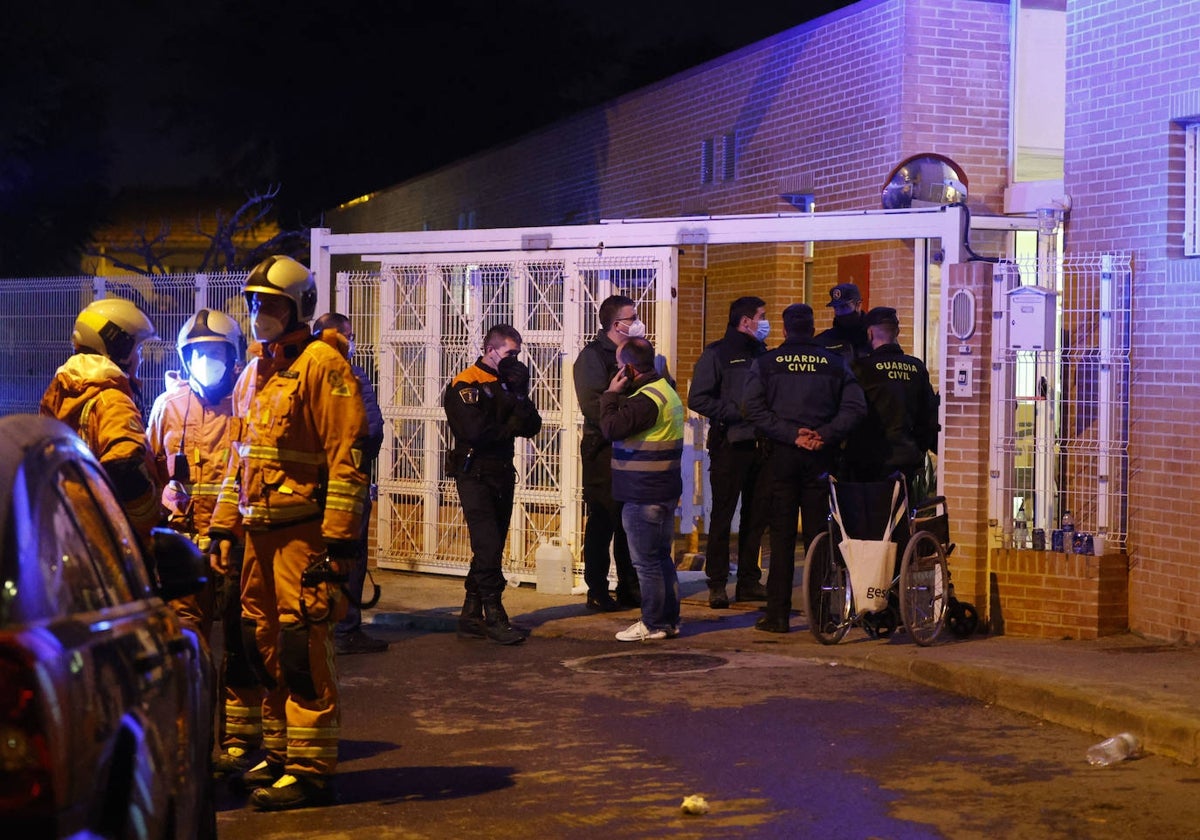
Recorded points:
(1060, 412)
(421, 320)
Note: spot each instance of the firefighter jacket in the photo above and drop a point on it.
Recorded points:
(298, 452)
(96, 399)
(718, 383)
(485, 418)
(191, 441)
(802, 385)
(901, 422)
(646, 430)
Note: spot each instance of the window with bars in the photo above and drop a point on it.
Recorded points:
(1191, 216)
(706, 160)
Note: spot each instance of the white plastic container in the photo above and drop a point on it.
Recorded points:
(555, 568)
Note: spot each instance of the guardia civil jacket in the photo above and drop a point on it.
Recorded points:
(298, 451)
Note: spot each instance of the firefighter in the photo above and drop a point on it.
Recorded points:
(97, 394)
(295, 484)
(190, 434)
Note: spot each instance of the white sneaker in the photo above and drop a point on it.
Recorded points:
(639, 632)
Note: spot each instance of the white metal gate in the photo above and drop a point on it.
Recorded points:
(425, 317)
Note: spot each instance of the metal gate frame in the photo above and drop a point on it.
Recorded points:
(433, 313)
(945, 225)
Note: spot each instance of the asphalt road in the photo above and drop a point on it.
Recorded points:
(566, 738)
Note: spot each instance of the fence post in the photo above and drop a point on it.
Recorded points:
(201, 292)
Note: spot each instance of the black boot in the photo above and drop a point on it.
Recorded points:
(496, 624)
(470, 620)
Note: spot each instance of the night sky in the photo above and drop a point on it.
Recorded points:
(334, 100)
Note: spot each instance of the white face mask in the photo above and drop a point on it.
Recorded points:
(266, 327)
(206, 370)
(636, 329)
(762, 330)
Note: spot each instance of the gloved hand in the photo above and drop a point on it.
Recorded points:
(515, 376)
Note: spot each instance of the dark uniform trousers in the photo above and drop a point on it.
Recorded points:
(737, 469)
(603, 524)
(486, 492)
(797, 487)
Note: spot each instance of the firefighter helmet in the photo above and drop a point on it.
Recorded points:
(210, 327)
(113, 327)
(280, 275)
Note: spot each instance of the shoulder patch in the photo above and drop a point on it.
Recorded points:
(469, 395)
(337, 384)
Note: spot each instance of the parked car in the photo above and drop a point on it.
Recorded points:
(106, 701)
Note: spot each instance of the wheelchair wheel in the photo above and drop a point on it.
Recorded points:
(962, 619)
(924, 588)
(826, 591)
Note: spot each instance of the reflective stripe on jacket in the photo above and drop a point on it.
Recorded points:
(646, 463)
(299, 453)
(183, 424)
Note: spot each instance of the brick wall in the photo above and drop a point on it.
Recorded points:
(1133, 72)
(1052, 595)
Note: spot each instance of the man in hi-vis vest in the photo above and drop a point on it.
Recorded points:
(643, 417)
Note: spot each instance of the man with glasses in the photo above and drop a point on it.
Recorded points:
(594, 369)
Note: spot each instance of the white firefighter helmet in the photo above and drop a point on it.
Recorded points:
(209, 327)
(113, 327)
(280, 275)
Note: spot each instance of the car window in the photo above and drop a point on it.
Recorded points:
(121, 561)
(72, 584)
(89, 553)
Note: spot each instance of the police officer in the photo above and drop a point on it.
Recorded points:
(295, 483)
(848, 335)
(593, 371)
(96, 392)
(804, 398)
(190, 435)
(487, 406)
(901, 423)
(348, 635)
(736, 462)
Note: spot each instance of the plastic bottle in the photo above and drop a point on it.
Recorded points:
(1114, 750)
(1068, 531)
(1020, 528)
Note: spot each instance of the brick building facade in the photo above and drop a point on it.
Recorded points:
(827, 109)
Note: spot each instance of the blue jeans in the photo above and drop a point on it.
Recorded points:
(651, 532)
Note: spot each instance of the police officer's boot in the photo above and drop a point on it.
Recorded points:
(496, 623)
(470, 620)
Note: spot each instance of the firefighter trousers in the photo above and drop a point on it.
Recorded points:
(295, 646)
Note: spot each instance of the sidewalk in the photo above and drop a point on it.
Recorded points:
(1109, 685)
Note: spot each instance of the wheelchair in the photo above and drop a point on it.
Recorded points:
(864, 518)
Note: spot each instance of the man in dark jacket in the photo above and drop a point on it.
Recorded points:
(736, 461)
(848, 335)
(901, 423)
(348, 635)
(487, 406)
(643, 417)
(803, 398)
(593, 371)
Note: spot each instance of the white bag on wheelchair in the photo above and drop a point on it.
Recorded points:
(870, 563)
